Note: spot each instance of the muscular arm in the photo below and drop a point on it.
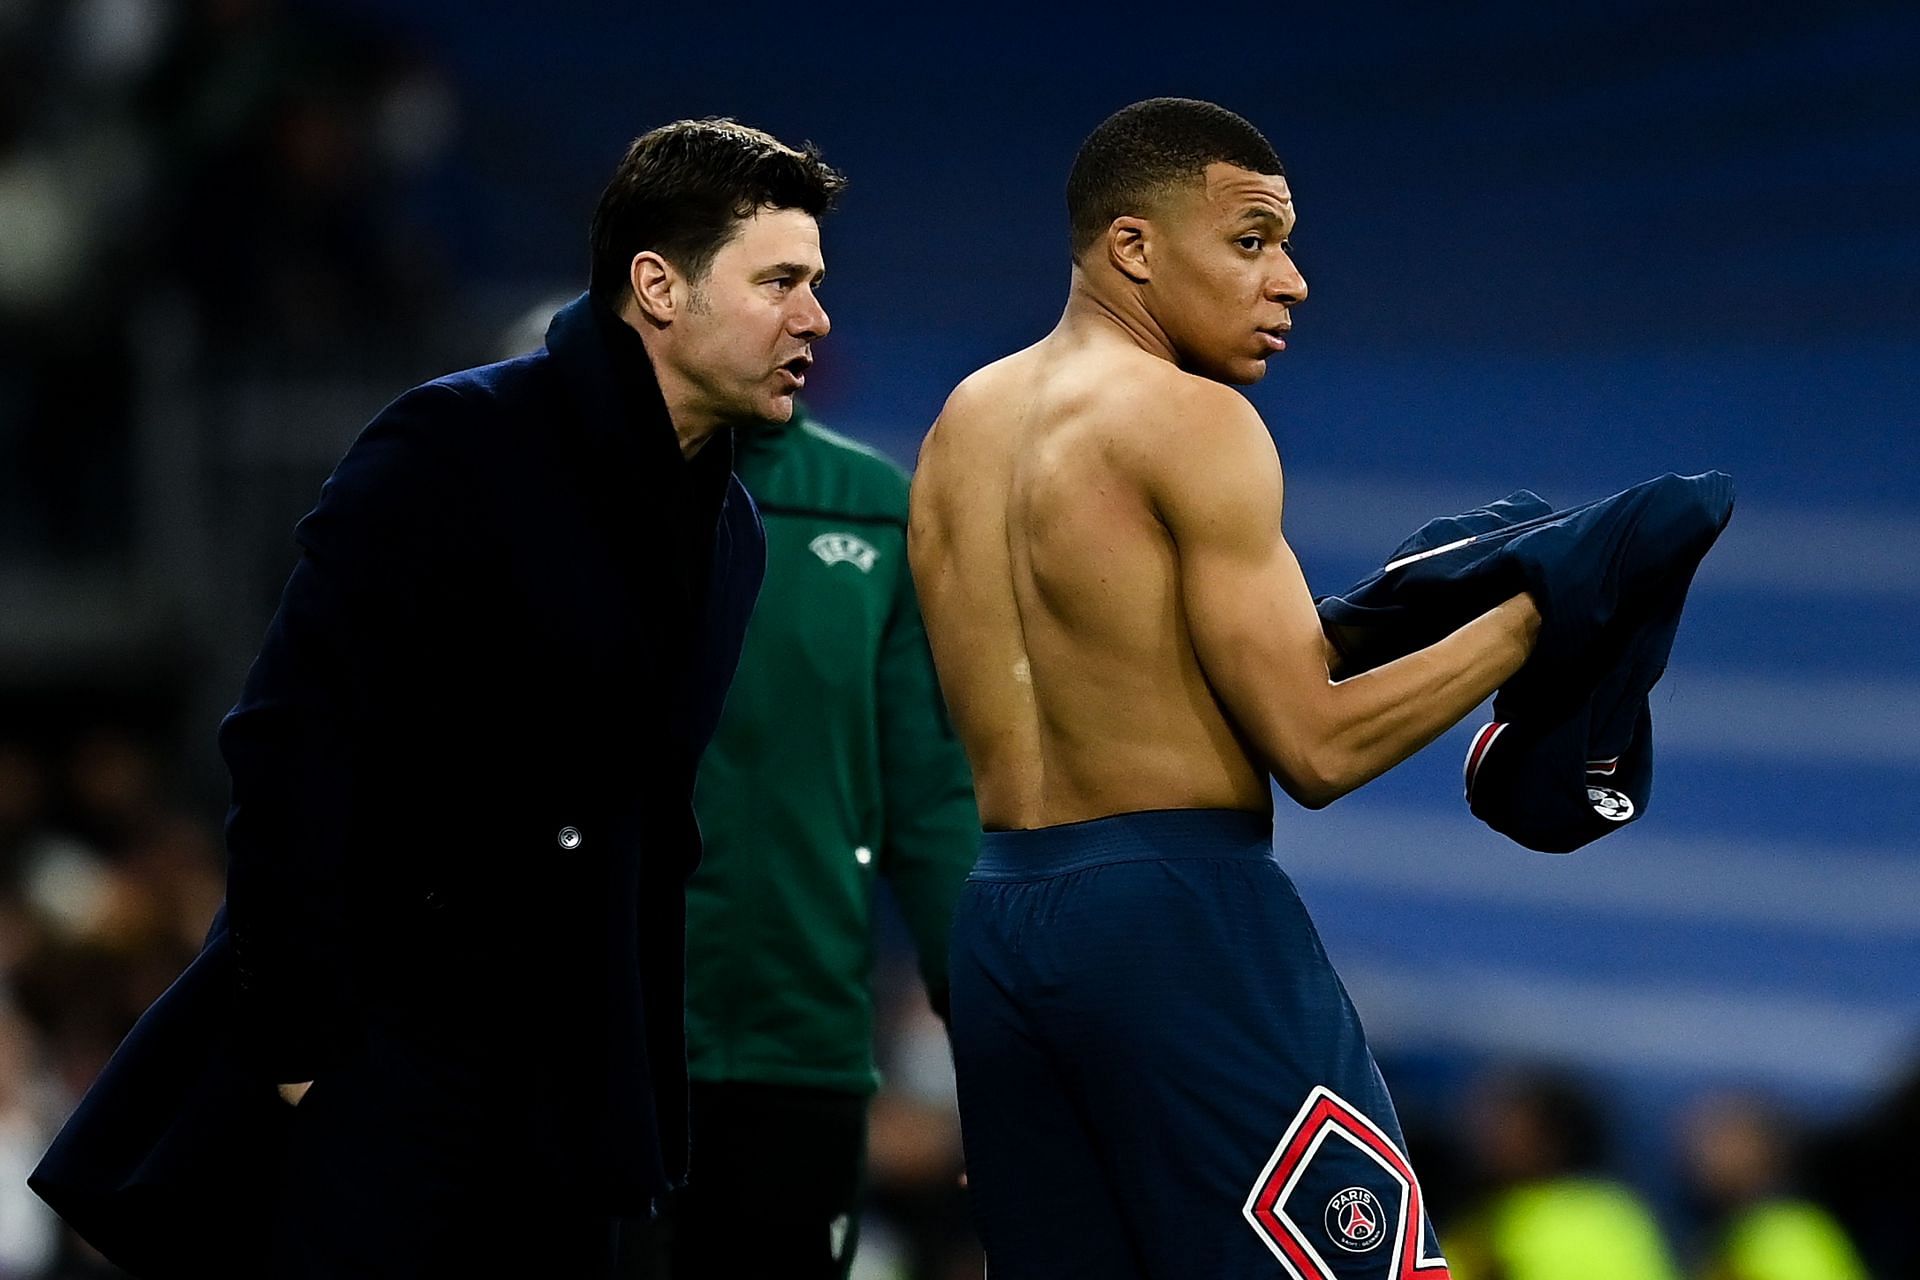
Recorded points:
(1260, 642)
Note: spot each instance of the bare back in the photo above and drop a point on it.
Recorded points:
(1052, 595)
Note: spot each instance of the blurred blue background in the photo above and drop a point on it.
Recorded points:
(1560, 247)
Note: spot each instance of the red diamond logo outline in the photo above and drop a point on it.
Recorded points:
(1323, 1115)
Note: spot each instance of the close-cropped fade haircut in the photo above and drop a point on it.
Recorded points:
(1141, 152)
(683, 189)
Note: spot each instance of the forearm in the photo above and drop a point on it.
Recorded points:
(932, 840)
(1377, 719)
(926, 883)
(932, 822)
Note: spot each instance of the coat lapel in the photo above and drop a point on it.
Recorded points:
(634, 458)
(704, 592)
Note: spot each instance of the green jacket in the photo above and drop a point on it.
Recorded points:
(834, 763)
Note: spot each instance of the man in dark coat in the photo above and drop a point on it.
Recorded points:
(462, 777)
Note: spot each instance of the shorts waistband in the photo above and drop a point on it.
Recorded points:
(1149, 835)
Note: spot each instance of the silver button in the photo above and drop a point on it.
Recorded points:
(569, 838)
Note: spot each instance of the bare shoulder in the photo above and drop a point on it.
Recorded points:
(1200, 444)
(983, 394)
(1202, 408)
(948, 472)
(971, 402)
(973, 427)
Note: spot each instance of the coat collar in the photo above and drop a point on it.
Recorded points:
(642, 481)
(607, 373)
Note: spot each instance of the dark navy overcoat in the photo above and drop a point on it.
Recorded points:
(462, 771)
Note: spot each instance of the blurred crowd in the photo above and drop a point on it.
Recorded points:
(235, 159)
(107, 885)
(1529, 1181)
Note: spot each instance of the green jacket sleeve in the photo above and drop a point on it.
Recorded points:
(932, 825)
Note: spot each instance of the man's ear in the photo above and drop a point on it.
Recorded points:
(653, 278)
(1127, 248)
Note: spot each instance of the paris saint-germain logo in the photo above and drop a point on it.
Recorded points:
(1355, 1220)
(1614, 806)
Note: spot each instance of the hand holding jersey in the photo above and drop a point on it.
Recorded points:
(1568, 756)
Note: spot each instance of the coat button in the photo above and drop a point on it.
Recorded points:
(569, 838)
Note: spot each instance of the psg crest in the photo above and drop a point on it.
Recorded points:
(1338, 1200)
(1614, 806)
(1355, 1221)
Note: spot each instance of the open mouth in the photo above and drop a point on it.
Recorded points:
(796, 369)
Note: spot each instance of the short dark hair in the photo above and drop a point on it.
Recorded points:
(1143, 150)
(682, 189)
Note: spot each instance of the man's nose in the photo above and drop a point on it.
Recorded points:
(811, 321)
(1288, 286)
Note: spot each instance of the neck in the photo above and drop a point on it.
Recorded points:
(693, 423)
(1097, 310)
(692, 438)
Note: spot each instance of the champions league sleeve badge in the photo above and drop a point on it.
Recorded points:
(1338, 1200)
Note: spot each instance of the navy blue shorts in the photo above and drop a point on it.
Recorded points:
(1160, 1075)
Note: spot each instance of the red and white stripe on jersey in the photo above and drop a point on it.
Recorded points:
(1477, 753)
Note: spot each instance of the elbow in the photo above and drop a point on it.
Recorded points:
(1314, 795)
(1315, 798)
(1313, 752)
(1315, 779)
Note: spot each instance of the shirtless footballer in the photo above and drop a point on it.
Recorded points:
(1160, 1074)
